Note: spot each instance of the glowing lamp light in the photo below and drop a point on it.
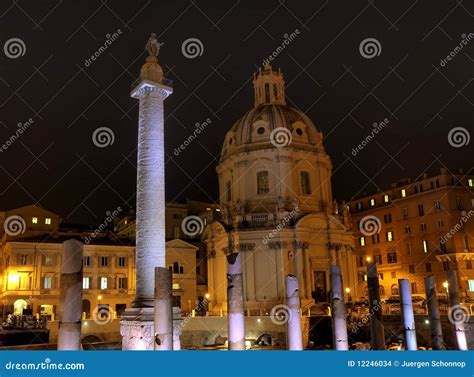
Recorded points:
(207, 296)
(14, 277)
(368, 259)
(445, 285)
(348, 290)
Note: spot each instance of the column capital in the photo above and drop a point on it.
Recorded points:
(144, 87)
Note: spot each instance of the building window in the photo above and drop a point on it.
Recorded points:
(466, 242)
(103, 282)
(407, 230)
(48, 260)
(442, 245)
(440, 223)
(104, 261)
(175, 268)
(359, 206)
(229, 191)
(181, 269)
(394, 289)
(87, 261)
(122, 283)
(403, 193)
(23, 259)
(421, 210)
(423, 227)
(387, 218)
(413, 288)
(437, 205)
(393, 274)
(470, 284)
(376, 238)
(446, 265)
(47, 282)
(459, 203)
(470, 182)
(305, 183)
(263, 186)
(409, 248)
(267, 93)
(411, 268)
(47, 221)
(378, 259)
(392, 257)
(389, 236)
(469, 264)
(386, 198)
(86, 283)
(428, 267)
(34, 220)
(372, 202)
(425, 246)
(362, 241)
(405, 213)
(176, 232)
(122, 262)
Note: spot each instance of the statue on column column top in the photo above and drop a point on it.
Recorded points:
(153, 46)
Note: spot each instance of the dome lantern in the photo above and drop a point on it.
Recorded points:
(269, 87)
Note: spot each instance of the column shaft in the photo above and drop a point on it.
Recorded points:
(457, 313)
(294, 333)
(408, 317)
(338, 310)
(163, 310)
(376, 323)
(235, 303)
(433, 313)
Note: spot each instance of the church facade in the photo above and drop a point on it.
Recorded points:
(277, 207)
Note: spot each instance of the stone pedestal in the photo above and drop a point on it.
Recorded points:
(138, 329)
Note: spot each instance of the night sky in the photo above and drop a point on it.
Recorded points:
(56, 164)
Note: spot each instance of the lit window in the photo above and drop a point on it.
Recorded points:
(372, 202)
(470, 182)
(389, 236)
(86, 283)
(470, 284)
(423, 227)
(403, 193)
(359, 206)
(425, 246)
(409, 248)
(122, 283)
(47, 221)
(386, 198)
(103, 283)
(34, 220)
(362, 241)
(47, 282)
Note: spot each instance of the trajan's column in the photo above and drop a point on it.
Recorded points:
(137, 326)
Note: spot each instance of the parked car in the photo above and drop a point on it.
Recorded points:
(392, 305)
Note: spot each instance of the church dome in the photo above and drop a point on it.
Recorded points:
(271, 123)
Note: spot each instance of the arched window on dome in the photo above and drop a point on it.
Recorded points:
(275, 91)
(263, 186)
(267, 93)
(228, 191)
(305, 183)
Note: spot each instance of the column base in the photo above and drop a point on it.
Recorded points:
(137, 328)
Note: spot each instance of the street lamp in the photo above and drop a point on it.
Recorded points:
(368, 259)
(99, 298)
(446, 285)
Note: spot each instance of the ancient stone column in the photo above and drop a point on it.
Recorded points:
(137, 326)
(294, 333)
(163, 309)
(338, 310)
(70, 299)
(408, 317)
(235, 303)
(433, 313)
(177, 328)
(457, 315)
(376, 324)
